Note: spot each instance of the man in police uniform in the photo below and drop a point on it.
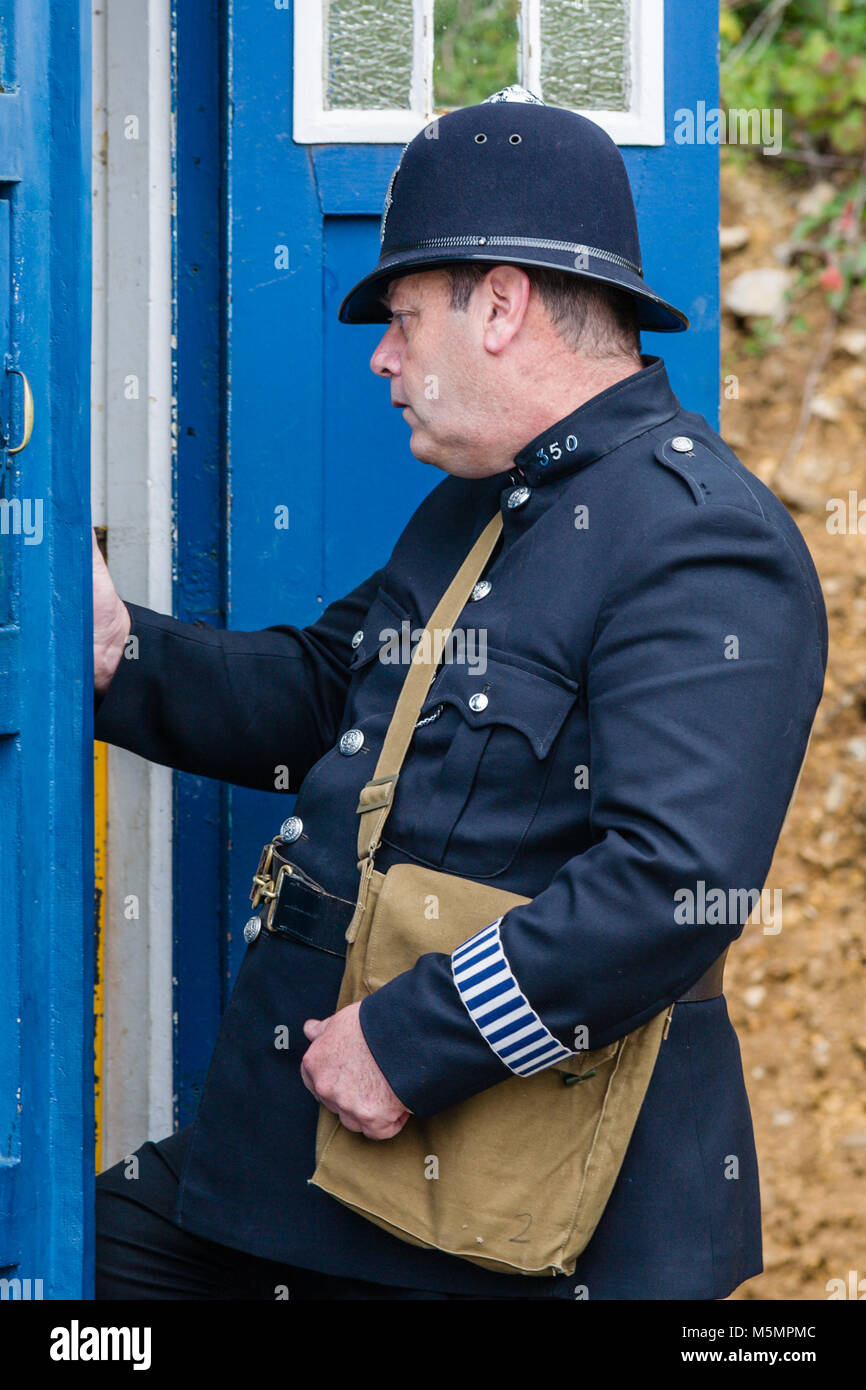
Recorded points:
(655, 645)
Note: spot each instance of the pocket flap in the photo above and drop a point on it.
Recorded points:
(534, 704)
(382, 625)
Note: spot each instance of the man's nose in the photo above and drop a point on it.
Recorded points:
(386, 358)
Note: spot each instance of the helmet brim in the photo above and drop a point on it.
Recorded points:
(363, 303)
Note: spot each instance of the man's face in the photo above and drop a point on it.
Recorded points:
(434, 360)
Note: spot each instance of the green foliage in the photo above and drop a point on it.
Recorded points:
(837, 260)
(762, 335)
(807, 57)
(475, 50)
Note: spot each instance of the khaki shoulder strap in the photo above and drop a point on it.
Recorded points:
(377, 796)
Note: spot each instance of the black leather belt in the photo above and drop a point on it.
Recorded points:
(711, 983)
(292, 904)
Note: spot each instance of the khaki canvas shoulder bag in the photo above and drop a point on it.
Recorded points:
(516, 1177)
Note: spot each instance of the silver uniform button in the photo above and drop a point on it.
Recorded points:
(682, 444)
(358, 638)
(291, 829)
(478, 702)
(481, 590)
(252, 929)
(518, 496)
(351, 741)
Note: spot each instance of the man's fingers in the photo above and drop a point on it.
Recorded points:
(306, 1077)
(371, 1129)
(313, 1092)
(379, 1132)
(308, 1082)
(381, 1129)
(347, 1082)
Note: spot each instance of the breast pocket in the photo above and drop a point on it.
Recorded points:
(380, 658)
(376, 675)
(477, 770)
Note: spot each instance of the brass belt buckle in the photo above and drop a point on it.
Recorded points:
(264, 885)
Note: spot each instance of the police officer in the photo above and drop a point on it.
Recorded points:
(654, 651)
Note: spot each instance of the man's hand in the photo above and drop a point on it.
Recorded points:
(111, 623)
(341, 1072)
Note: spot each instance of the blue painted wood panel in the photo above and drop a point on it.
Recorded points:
(303, 424)
(200, 503)
(372, 482)
(46, 702)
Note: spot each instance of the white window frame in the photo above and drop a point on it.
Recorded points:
(642, 124)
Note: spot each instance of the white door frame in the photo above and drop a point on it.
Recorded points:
(132, 458)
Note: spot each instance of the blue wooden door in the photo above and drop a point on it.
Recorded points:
(46, 814)
(308, 429)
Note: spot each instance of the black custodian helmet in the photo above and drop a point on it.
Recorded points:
(512, 181)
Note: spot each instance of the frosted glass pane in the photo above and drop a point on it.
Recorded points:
(475, 50)
(586, 54)
(368, 54)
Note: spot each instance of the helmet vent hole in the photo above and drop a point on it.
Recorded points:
(514, 139)
(480, 139)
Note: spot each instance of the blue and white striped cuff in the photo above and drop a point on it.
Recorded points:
(500, 1011)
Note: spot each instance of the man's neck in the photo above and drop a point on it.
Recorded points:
(590, 377)
(557, 398)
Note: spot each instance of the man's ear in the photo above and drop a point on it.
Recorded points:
(504, 295)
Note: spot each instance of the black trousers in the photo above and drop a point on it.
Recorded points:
(142, 1254)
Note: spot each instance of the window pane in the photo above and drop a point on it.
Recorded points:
(475, 52)
(368, 54)
(586, 54)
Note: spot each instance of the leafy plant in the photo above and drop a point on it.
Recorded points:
(475, 50)
(762, 335)
(807, 57)
(833, 247)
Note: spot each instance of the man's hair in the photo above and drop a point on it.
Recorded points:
(593, 318)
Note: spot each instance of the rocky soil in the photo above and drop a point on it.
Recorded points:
(797, 998)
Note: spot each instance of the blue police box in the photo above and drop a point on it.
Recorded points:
(293, 475)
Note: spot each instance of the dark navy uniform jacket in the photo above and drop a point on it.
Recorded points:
(656, 642)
